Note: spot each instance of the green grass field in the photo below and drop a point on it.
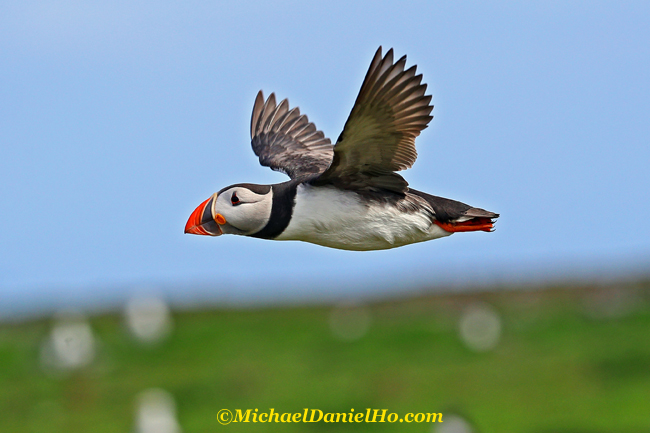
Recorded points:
(569, 360)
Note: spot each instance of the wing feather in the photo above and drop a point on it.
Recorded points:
(287, 141)
(379, 136)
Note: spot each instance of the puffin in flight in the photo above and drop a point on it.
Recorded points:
(346, 196)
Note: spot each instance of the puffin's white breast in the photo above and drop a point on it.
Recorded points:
(344, 219)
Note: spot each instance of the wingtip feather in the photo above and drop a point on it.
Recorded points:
(257, 110)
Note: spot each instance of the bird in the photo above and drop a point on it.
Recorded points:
(349, 195)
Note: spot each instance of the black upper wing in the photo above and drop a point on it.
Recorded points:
(379, 136)
(286, 141)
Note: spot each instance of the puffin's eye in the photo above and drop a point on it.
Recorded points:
(234, 199)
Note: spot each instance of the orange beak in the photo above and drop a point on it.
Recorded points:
(201, 221)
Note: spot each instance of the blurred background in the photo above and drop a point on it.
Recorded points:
(118, 119)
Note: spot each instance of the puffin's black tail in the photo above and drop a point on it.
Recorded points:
(455, 216)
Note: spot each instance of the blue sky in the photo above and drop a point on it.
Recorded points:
(117, 119)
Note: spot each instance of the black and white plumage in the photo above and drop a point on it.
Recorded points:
(346, 196)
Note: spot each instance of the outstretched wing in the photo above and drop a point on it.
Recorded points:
(287, 141)
(379, 136)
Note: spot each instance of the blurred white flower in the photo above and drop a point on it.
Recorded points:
(453, 424)
(480, 327)
(148, 318)
(71, 343)
(156, 412)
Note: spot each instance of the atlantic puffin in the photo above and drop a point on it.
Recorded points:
(346, 196)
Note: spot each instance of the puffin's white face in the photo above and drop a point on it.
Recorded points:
(241, 209)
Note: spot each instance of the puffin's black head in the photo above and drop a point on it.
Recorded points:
(241, 209)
